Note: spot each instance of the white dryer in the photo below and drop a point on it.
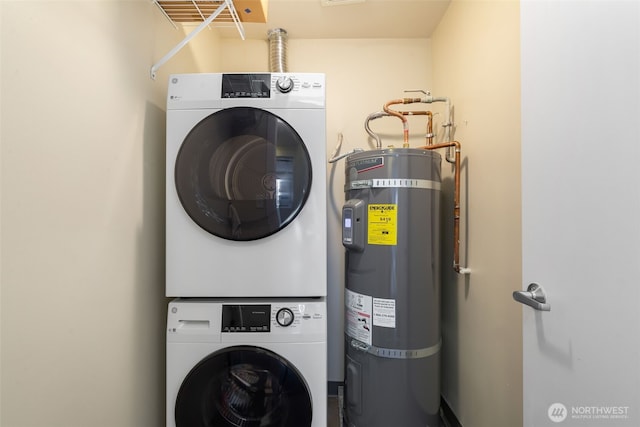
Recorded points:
(246, 185)
(249, 363)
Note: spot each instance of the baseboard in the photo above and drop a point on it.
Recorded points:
(333, 386)
(447, 414)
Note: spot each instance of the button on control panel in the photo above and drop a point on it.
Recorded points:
(284, 317)
(285, 84)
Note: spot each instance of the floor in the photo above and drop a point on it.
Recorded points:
(333, 417)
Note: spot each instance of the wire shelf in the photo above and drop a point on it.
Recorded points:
(195, 11)
(201, 12)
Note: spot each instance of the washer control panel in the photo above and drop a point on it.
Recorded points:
(246, 318)
(258, 320)
(268, 317)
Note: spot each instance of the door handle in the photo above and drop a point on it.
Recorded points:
(534, 297)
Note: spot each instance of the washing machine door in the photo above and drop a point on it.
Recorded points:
(244, 386)
(243, 173)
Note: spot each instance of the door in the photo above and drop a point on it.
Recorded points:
(581, 212)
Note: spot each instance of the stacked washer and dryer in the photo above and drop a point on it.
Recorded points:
(246, 250)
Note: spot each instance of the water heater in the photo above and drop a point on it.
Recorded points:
(391, 232)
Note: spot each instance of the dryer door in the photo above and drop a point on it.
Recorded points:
(244, 386)
(243, 173)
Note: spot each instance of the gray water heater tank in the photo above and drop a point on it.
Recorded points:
(391, 230)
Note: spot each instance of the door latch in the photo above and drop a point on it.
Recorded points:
(534, 297)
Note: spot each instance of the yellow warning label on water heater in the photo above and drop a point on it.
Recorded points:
(382, 224)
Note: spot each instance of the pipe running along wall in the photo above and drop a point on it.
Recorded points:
(431, 146)
(456, 202)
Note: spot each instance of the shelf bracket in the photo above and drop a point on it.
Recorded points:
(228, 4)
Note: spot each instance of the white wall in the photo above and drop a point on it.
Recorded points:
(361, 76)
(1, 20)
(82, 231)
(476, 61)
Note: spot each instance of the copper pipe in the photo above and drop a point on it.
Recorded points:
(456, 202)
(405, 124)
(429, 135)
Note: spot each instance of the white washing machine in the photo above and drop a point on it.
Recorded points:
(249, 363)
(246, 208)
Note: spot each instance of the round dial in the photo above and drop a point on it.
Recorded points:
(284, 84)
(284, 317)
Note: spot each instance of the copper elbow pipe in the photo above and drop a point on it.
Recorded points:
(456, 202)
(405, 125)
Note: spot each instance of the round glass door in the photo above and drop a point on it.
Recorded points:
(243, 386)
(243, 173)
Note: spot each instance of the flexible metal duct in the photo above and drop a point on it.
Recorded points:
(277, 50)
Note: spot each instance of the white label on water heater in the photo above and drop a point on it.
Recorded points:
(384, 312)
(358, 316)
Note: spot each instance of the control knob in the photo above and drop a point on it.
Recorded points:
(284, 317)
(284, 84)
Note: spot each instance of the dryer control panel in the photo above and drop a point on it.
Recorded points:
(246, 86)
(258, 90)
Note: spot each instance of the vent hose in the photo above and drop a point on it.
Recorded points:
(277, 50)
